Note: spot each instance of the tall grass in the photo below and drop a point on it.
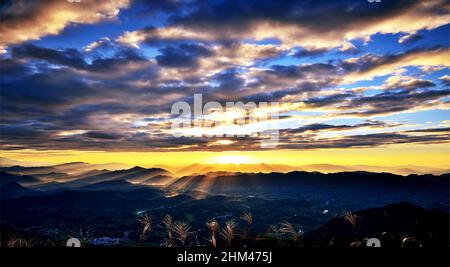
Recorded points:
(350, 217)
(274, 230)
(213, 227)
(289, 229)
(18, 242)
(146, 222)
(182, 232)
(247, 217)
(168, 223)
(228, 232)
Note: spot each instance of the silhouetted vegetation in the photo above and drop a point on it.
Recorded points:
(419, 228)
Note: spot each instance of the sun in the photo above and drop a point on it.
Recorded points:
(232, 159)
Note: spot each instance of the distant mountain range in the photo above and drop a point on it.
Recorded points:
(427, 190)
(78, 193)
(324, 168)
(77, 168)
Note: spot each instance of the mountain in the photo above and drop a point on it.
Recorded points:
(13, 189)
(63, 171)
(28, 170)
(367, 187)
(232, 181)
(20, 179)
(135, 175)
(5, 162)
(110, 202)
(77, 168)
(117, 185)
(324, 168)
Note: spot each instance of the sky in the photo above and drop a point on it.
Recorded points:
(95, 81)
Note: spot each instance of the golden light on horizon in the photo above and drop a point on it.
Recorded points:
(232, 159)
(224, 142)
(433, 155)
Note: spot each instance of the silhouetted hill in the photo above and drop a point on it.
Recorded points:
(229, 182)
(21, 179)
(28, 170)
(347, 187)
(133, 175)
(390, 224)
(13, 189)
(117, 185)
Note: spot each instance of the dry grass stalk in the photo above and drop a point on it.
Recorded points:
(350, 217)
(214, 229)
(228, 232)
(182, 231)
(288, 228)
(146, 222)
(247, 216)
(168, 222)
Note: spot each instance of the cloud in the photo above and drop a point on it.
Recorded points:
(123, 58)
(369, 66)
(101, 135)
(395, 101)
(406, 82)
(67, 57)
(445, 79)
(103, 42)
(310, 52)
(410, 38)
(364, 140)
(328, 127)
(30, 20)
(113, 94)
(183, 56)
(295, 23)
(431, 130)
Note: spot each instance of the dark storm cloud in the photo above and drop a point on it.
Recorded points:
(303, 87)
(182, 56)
(403, 99)
(75, 59)
(300, 71)
(416, 84)
(383, 103)
(228, 81)
(430, 130)
(321, 127)
(369, 62)
(56, 88)
(364, 140)
(151, 7)
(310, 52)
(338, 14)
(67, 57)
(327, 100)
(102, 135)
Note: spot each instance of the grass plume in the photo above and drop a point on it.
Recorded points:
(248, 217)
(146, 222)
(289, 229)
(350, 217)
(168, 223)
(228, 231)
(213, 227)
(182, 232)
